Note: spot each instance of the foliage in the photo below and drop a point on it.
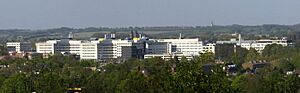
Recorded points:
(59, 73)
(49, 83)
(16, 84)
(252, 55)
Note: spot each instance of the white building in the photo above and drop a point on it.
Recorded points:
(210, 47)
(110, 48)
(18, 47)
(169, 56)
(94, 50)
(113, 49)
(89, 50)
(153, 47)
(172, 48)
(258, 45)
(66, 46)
(186, 46)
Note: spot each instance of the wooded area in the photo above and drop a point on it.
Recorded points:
(58, 73)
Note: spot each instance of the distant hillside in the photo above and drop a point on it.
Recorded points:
(202, 32)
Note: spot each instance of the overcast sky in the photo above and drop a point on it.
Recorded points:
(41, 14)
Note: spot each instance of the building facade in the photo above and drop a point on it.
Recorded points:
(171, 48)
(18, 47)
(258, 45)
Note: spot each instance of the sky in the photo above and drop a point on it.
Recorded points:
(44, 14)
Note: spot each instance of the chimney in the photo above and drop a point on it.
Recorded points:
(71, 36)
(131, 35)
(140, 35)
(240, 39)
(180, 36)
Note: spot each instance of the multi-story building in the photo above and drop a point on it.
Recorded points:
(171, 48)
(210, 47)
(18, 47)
(185, 46)
(120, 49)
(46, 47)
(89, 50)
(64, 46)
(110, 48)
(153, 47)
(104, 49)
(258, 45)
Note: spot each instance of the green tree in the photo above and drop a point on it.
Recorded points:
(2, 79)
(252, 55)
(95, 84)
(292, 84)
(16, 84)
(49, 82)
(274, 50)
(135, 82)
(3, 50)
(248, 83)
(239, 56)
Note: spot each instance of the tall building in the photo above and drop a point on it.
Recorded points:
(171, 48)
(64, 46)
(104, 49)
(185, 46)
(109, 48)
(89, 50)
(153, 47)
(18, 47)
(114, 49)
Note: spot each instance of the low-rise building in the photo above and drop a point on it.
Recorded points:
(258, 45)
(18, 47)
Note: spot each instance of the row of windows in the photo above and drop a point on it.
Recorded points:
(87, 56)
(88, 48)
(88, 45)
(45, 50)
(67, 47)
(67, 50)
(45, 47)
(88, 53)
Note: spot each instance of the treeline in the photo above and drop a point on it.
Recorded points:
(285, 58)
(59, 73)
(202, 32)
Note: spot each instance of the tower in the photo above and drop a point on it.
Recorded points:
(131, 35)
(180, 36)
(71, 36)
(212, 23)
(240, 39)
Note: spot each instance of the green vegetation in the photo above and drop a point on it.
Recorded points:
(203, 32)
(58, 73)
(3, 50)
